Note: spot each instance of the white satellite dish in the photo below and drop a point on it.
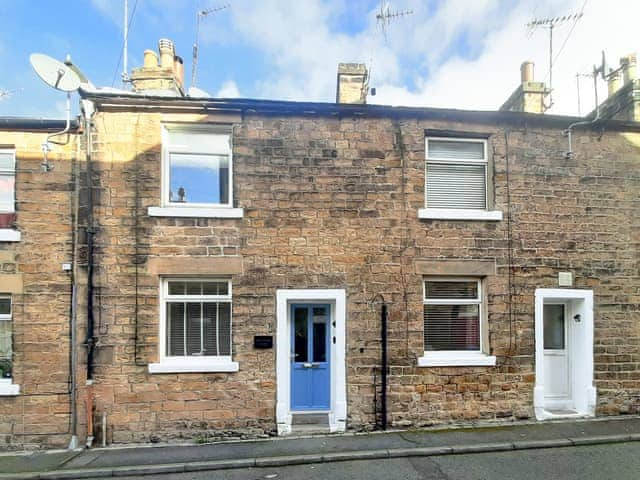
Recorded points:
(55, 73)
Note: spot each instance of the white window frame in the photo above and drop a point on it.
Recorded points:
(7, 387)
(205, 363)
(178, 209)
(442, 358)
(9, 234)
(458, 213)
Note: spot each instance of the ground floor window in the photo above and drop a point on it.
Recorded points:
(454, 316)
(195, 325)
(6, 347)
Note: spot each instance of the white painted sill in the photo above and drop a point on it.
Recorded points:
(9, 235)
(459, 214)
(456, 359)
(196, 212)
(8, 389)
(194, 365)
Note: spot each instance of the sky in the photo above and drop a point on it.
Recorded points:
(462, 54)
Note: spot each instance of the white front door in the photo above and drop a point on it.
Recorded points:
(557, 390)
(564, 353)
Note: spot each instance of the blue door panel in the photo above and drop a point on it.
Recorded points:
(310, 357)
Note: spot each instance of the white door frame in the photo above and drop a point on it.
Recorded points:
(579, 305)
(337, 299)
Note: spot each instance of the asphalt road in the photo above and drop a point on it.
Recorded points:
(602, 462)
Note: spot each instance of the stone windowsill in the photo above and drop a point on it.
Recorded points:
(456, 359)
(196, 212)
(9, 235)
(8, 389)
(459, 214)
(194, 365)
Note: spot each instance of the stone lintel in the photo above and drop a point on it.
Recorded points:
(11, 283)
(194, 265)
(456, 267)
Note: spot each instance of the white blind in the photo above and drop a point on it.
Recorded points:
(452, 316)
(199, 141)
(198, 328)
(455, 150)
(453, 185)
(452, 327)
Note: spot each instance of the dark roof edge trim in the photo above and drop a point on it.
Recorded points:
(284, 107)
(37, 124)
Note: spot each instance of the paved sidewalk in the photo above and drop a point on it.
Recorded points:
(139, 460)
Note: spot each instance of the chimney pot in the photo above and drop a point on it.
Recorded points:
(178, 70)
(167, 53)
(613, 82)
(628, 64)
(150, 59)
(526, 71)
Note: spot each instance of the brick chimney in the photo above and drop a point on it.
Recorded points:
(165, 78)
(623, 102)
(352, 83)
(529, 96)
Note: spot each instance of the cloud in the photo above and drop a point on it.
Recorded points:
(456, 54)
(110, 9)
(229, 89)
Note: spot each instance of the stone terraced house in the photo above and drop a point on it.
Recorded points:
(186, 267)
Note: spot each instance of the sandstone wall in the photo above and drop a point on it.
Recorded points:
(40, 415)
(332, 203)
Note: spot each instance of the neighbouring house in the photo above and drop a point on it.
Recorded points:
(202, 267)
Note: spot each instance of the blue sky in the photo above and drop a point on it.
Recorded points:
(453, 53)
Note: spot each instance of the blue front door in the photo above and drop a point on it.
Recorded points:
(310, 357)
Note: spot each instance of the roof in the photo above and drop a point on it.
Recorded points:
(119, 99)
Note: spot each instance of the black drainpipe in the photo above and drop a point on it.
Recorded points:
(383, 336)
(90, 342)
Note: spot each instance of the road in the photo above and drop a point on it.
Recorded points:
(602, 462)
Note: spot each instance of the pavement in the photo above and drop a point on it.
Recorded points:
(158, 459)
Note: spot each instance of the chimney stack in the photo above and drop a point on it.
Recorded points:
(166, 78)
(530, 95)
(623, 102)
(353, 83)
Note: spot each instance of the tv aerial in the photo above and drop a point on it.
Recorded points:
(61, 76)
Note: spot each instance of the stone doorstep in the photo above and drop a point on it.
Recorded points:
(318, 458)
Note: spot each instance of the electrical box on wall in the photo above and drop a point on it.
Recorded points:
(565, 279)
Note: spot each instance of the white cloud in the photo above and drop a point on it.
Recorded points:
(110, 9)
(460, 55)
(229, 89)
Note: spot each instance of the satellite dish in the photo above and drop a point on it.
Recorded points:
(54, 73)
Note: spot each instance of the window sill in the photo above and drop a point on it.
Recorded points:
(459, 214)
(9, 235)
(196, 212)
(194, 365)
(456, 359)
(8, 389)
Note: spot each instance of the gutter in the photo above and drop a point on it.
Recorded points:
(37, 124)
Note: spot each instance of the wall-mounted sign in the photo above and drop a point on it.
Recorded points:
(263, 341)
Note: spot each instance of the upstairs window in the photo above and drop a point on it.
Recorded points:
(7, 180)
(197, 169)
(456, 174)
